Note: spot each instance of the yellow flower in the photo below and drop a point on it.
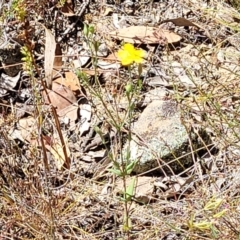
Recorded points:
(128, 54)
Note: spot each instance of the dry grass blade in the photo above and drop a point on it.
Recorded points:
(143, 151)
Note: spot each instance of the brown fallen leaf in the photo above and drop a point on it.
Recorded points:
(69, 80)
(145, 35)
(60, 96)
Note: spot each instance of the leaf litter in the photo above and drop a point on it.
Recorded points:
(78, 119)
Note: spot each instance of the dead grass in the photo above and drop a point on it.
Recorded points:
(81, 203)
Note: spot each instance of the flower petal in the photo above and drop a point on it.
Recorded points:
(141, 53)
(128, 54)
(138, 59)
(122, 55)
(127, 61)
(128, 47)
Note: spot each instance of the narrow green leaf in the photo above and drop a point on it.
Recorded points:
(85, 30)
(130, 167)
(115, 171)
(130, 189)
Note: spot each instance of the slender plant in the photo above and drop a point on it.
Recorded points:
(123, 165)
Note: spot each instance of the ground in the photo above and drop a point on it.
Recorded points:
(85, 85)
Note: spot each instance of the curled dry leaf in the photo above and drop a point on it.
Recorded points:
(49, 56)
(60, 96)
(145, 35)
(181, 22)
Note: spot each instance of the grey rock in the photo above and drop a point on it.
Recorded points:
(163, 141)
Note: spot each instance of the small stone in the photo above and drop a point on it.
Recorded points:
(102, 50)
